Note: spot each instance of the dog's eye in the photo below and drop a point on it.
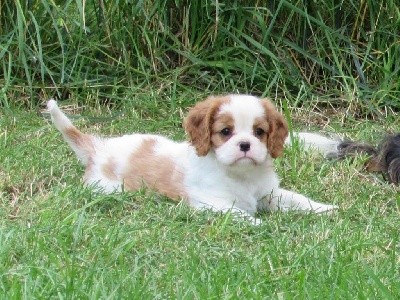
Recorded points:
(259, 131)
(226, 132)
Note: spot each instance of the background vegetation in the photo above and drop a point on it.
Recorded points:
(124, 66)
(343, 52)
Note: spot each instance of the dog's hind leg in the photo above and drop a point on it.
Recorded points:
(315, 141)
(284, 200)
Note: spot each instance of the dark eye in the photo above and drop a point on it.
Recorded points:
(226, 132)
(259, 131)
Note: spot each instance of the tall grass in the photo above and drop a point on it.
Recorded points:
(346, 52)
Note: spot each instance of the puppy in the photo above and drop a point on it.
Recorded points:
(226, 165)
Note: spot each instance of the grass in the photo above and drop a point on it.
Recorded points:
(60, 240)
(343, 53)
(127, 66)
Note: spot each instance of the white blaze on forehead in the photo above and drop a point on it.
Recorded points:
(244, 110)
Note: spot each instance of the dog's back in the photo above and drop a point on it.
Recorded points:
(127, 161)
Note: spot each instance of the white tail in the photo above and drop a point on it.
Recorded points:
(82, 144)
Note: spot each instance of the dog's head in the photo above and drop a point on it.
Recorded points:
(238, 128)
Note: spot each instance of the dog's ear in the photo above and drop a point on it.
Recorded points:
(278, 129)
(198, 124)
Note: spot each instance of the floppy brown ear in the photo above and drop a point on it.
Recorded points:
(278, 129)
(198, 124)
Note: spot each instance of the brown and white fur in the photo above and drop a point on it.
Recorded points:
(226, 165)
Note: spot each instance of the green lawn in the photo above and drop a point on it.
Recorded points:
(60, 240)
(137, 66)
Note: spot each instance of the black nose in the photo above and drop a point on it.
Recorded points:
(244, 146)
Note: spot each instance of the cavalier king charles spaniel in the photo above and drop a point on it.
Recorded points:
(227, 164)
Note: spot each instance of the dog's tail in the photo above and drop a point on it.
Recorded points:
(82, 144)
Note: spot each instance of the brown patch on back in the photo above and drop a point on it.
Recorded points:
(222, 121)
(198, 123)
(156, 172)
(277, 131)
(108, 169)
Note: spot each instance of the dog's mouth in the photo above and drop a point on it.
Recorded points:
(245, 160)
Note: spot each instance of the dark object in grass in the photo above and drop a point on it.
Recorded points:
(389, 157)
(349, 148)
(385, 158)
